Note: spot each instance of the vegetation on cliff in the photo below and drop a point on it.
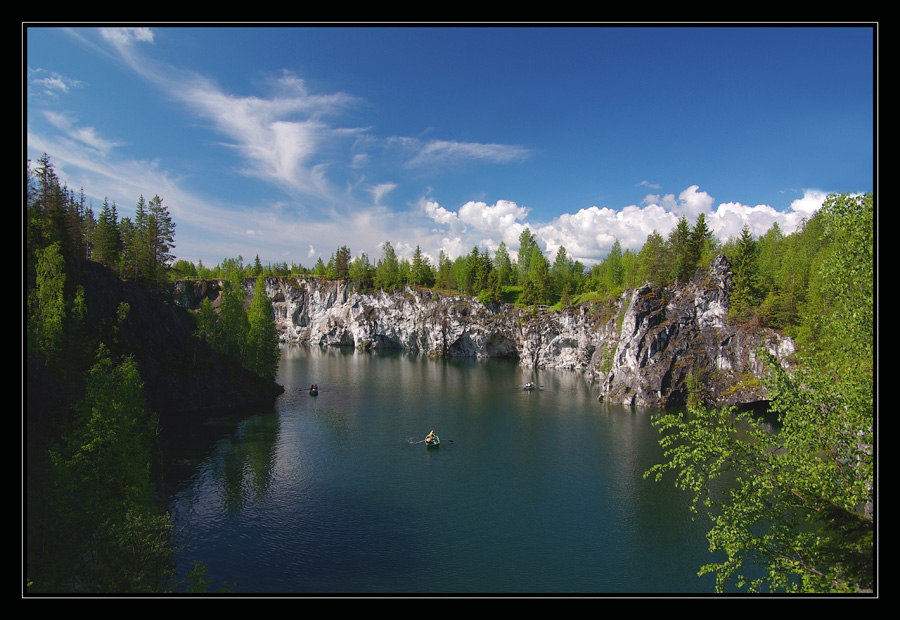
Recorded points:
(110, 365)
(794, 510)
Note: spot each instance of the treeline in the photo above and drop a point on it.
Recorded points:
(776, 276)
(137, 249)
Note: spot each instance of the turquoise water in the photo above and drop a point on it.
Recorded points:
(529, 492)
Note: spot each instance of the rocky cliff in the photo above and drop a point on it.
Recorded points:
(653, 347)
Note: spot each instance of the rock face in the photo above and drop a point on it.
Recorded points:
(652, 348)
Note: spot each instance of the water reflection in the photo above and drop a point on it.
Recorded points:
(536, 491)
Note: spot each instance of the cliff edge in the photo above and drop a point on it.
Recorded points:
(653, 347)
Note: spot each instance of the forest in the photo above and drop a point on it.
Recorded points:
(93, 519)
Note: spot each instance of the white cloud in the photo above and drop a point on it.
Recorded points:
(53, 84)
(811, 202)
(439, 214)
(126, 35)
(588, 234)
(85, 135)
(445, 152)
(381, 190)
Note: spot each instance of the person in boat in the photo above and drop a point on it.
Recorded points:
(430, 437)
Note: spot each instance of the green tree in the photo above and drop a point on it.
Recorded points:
(615, 273)
(387, 272)
(262, 336)
(422, 273)
(233, 325)
(208, 323)
(792, 509)
(629, 268)
(361, 271)
(46, 303)
(114, 539)
(745, 292)
(443, 275)
(107, 242)
(700, 244)
(503, 265)
(159, 238)
(478, 270)
(562, 276)
(342, 263)
(320, 269)
(536, 289)
(652, 260)
(679, 248)
(527, 245)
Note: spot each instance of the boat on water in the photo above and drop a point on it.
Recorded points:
(432, 439)
(314, 390)
(529, 386)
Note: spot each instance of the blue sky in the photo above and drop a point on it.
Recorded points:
(289, 142)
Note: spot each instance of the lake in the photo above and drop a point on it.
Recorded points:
(529, 492)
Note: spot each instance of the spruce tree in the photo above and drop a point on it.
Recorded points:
(387, 273)
(262, 336)
(700, 243)
(679, 248)
(160, 241)
(745, 292)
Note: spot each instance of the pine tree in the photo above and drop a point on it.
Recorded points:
(342, 263)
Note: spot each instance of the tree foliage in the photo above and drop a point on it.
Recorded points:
(262, 336)
(113, 539)
(792, 510)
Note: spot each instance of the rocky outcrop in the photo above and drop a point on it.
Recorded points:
(653, 347)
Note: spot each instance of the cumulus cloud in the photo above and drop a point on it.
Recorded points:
(589, 234)
(811, 202)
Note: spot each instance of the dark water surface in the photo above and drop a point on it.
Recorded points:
(529, 492)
